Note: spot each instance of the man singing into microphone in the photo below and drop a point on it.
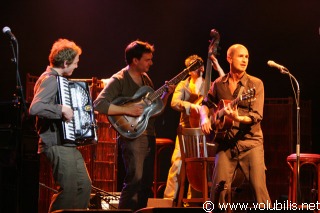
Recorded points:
(240, 148)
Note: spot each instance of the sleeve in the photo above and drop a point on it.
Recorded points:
(43, 103)
(256, 112)
(107, 95)
(178, 102)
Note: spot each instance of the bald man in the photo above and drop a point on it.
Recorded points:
(236, 126)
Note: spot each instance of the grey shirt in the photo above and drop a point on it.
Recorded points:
(122, 85)
(48, 112)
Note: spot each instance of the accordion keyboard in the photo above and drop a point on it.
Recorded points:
(76, 94)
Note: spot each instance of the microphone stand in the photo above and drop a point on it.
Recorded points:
(18, 97)
(286, 71)
(19, 105)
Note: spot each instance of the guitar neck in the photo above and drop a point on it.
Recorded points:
(235, 101)
(195, 65)
(163, 88)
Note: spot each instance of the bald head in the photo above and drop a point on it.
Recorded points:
(233, 48)
(238, 58)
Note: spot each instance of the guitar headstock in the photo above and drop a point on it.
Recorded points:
(195, 65)
(249, 95)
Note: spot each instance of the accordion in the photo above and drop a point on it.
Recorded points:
(82, 129)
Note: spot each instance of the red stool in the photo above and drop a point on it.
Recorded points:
(161, 145)
(305, 158)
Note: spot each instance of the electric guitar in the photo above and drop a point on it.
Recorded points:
(194, 117)
(222, 123)
(132, 127)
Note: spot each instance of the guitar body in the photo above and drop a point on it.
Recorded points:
(132, 127)
(223, 122)
(220, 122)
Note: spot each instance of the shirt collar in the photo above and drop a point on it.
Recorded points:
(243, 79)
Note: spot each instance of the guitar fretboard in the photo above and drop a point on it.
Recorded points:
(175, 80)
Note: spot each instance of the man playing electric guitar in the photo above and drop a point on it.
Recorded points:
(138, 153)
(242, 145)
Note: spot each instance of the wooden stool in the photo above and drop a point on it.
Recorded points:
(305, 158)
(161, 145)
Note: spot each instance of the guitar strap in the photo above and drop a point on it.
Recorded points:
(238, 91)
(146, 80)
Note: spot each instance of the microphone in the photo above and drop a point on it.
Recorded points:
(282, 69)
(7, 30)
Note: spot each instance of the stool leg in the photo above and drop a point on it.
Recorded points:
(294, 183)
(155, 174)
(291, 183)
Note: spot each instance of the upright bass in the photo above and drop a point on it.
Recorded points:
(194, 117)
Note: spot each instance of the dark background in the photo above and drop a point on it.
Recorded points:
(285, 31)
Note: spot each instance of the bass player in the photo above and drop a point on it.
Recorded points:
(184, 100)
